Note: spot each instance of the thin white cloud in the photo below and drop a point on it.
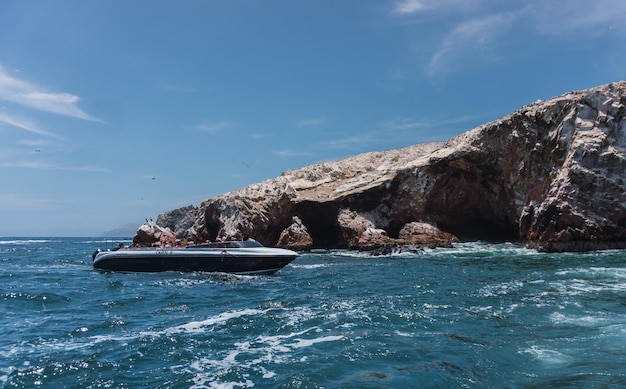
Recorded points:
(34, 142)
(211, 128)
(33, 96)
(405, 124)
(354, 142)
(468, 37)
(42, 165)
(430, 124)
(289, 153)
(23, 201)
(260, 136)
(311, 122)
(481, 27)
(405, 8)
(579, 16)
(23, 123)
(408, 7)
(27, 165)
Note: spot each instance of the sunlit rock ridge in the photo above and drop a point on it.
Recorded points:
(550, 174)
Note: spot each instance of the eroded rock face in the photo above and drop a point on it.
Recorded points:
(551, 174)
(584, 205)
(181, 221)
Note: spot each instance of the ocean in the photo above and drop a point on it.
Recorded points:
(473, 316)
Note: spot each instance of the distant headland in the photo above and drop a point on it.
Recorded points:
(126, 230)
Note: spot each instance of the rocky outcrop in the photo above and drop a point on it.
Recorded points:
(551, 174)
(151, 234)
(426, 235)
(360, 232)
(295, 237)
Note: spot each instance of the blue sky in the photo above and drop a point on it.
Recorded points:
(114, 111)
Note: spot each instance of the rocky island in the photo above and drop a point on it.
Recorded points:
(551, 174)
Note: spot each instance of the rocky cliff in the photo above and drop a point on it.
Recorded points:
(551, 174)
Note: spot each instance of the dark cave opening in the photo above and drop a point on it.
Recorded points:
(473, 202)
(473, 229)
(320, 220)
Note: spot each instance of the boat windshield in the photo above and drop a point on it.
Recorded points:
(232, 244)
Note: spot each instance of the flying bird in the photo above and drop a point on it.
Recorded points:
(241, 162)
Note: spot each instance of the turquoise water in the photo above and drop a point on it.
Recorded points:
(478, 315)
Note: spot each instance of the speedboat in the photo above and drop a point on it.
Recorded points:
(238, 257)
